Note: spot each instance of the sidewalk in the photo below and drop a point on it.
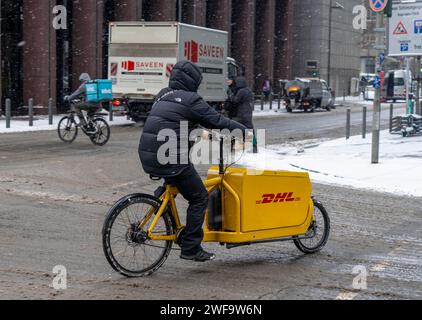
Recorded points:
(348, 163)
(21, 124)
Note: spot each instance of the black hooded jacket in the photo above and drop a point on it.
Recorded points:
(243, 103)
(178, 103)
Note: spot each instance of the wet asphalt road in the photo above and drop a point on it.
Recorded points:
(54, 198)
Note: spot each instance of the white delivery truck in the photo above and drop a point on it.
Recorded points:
(395, 85)
(142, 55)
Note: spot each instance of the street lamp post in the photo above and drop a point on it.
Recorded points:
(330, 26)
(376, 121)
(180, 9)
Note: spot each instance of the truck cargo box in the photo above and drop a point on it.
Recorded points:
(142, 55)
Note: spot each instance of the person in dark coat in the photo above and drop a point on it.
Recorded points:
(181, 102)
(266, 89)
(229, 108)
(243, 103)
(242, 107)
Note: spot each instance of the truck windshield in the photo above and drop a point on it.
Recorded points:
(399, 82)
(233, 71)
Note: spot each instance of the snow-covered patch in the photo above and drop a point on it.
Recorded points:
(348, 163)
(41, 124)
(267, 111)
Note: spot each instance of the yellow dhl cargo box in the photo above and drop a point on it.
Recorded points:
(269, 200)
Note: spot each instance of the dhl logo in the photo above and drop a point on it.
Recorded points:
(278, 198)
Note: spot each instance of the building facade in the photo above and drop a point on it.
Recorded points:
(269, 38)
(323, 32)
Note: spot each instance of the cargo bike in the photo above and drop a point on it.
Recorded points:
(246, 207)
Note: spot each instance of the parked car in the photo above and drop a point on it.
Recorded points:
(308, 94)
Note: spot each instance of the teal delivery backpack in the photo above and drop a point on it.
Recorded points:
(99, 91)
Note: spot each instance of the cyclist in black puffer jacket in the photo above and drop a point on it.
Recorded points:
(181, 102)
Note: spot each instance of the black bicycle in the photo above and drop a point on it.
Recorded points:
(93, 125)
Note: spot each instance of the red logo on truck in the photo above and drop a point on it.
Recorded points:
(128, 65)
(191, 51)
(194, 50)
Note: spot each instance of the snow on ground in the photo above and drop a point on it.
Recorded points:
(355, 100)
(41, 124)
(258, 112)
(348, 163)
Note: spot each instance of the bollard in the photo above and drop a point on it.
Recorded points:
(50, 112)
(349, 116)
(271, 101)
(8, 112)
(31, 112)
(365, 111)
(110, 110)
(279, 101)
(262, 102)
(391, 117)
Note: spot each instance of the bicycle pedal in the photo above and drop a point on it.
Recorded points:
(179, 237)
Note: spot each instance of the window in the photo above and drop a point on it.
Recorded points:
(398, 82)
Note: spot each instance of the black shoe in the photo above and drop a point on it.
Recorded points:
(91, 130)
(201, 256)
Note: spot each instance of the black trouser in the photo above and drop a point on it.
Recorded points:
(191, 187)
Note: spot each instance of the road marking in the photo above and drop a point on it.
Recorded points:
(379, 267)
(347, 296)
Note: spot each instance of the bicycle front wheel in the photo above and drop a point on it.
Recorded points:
(126, 244)
(318, 233)
(102, 136)
(67, 130)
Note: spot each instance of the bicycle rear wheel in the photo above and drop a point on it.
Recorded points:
(67, 129)
(126, 244)
(102, 136)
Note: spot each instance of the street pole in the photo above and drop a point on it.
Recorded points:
(1, 65)
(408, 102)
(418, 87)
(180, 6)
(330, 22)
(376, 121)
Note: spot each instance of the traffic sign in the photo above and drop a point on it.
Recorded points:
(382, 58)
(378, 5)
(400, 29)
(418, 26)
(377, 82)
(405, 30)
